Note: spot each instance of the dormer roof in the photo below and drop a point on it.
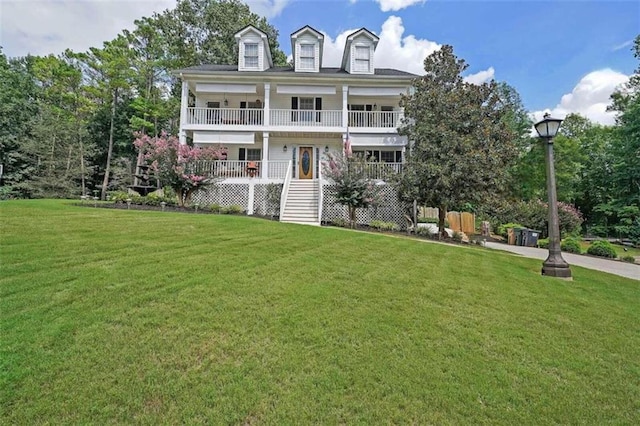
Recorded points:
(250, 29)
(347, 46)
(313, 32)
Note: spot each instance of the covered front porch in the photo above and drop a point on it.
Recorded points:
(274, 157)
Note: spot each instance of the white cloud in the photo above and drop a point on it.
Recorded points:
(395, 5)
(41, 27)
(267, 8)
(481, 76)
(393, 51)
(589, 98)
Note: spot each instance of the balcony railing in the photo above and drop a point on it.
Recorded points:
(306, 118)
(226, 168)
(386, 119)
(238, 169)
(293, 117)
(381, 170)
(226, 116)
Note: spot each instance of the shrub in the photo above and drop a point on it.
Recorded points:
(216, 208)
(457, 236)
(502, 229)
(571, 245)
(235, 209)
(424, 231)
(543, 243)
(383, 226)
(342, 223)
(119, 196)
(602, 248)
(628, 258)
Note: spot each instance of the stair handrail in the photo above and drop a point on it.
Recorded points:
(285, 189)
(320, 198)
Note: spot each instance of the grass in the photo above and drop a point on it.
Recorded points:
(116, 316)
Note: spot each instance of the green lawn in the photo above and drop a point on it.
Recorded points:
(116, 316)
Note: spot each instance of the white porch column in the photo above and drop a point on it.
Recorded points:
(345, 106)
(265, 155)
(267, 93)
(184, 103)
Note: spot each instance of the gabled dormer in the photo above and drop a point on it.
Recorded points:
(306, 45)
(254, 53)
(358, 52)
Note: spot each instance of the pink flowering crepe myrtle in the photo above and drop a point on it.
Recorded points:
(175, 164)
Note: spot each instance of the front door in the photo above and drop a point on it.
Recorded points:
(305, 168)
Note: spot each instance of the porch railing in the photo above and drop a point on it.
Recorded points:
(305, 118)
(382, 171)
(227, 168)
(385, 119)
(230, 116)
(285, 188)
(278, 169)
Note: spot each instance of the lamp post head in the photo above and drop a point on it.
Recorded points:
(548, 127)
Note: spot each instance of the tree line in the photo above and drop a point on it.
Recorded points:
(67, 123)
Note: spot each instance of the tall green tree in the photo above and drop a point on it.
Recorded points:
(202, 32)
(18, 109)
(462, 141)
(110, 73)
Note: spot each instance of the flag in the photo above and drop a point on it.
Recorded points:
(347, 145)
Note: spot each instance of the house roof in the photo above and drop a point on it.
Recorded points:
(347, 45)
(324, 71)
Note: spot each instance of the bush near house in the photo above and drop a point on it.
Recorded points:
(383, 226)
(602, 248)
(571, 245)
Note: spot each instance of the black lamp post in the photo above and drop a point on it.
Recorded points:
(555, 265)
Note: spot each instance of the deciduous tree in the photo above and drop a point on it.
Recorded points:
(462, 142)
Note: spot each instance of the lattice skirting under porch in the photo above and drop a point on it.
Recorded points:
(389, 209)
(260, 199)
(264, 200)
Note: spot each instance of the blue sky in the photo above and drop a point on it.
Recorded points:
(563, 56)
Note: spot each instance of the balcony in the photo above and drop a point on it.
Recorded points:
(306, 118)
(385, 121)
(379, 119)
(225, 116)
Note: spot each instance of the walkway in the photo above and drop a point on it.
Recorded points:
(623, 269)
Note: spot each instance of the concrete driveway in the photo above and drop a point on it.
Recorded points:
(616, 267)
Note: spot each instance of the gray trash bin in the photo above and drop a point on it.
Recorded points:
(530, 237)
(519, 236)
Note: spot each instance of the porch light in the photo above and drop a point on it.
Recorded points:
(225, 102)
(284, 148)
(326, 148)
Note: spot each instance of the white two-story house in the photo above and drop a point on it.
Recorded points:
(279, 122)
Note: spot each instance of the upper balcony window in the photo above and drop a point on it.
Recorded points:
(251, 55)
(362, 59)
(307, 56)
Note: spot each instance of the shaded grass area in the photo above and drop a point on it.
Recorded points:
(151, 317)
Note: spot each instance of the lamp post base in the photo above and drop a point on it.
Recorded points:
(558, 269)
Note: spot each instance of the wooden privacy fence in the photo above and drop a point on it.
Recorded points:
(458, 221)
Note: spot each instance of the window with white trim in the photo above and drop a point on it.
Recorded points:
(362, 58)
(251, 55)
(307, 56)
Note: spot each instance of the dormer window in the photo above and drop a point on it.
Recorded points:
(307, 56)
(362, 58)
(251, 55)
